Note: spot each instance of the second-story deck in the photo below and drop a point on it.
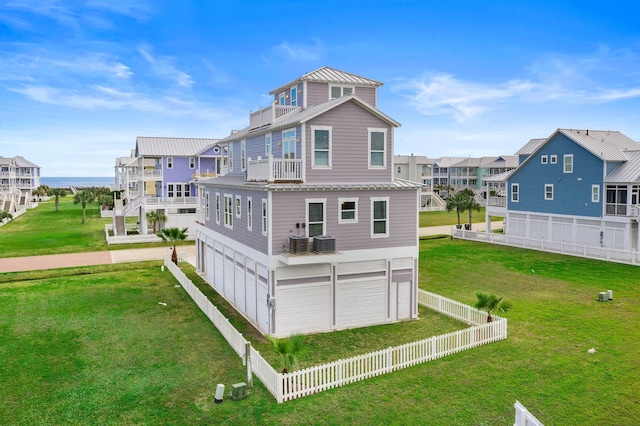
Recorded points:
(274, 170)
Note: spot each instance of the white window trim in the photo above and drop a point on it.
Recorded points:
(238, 206)
(313, 146)
(595, 195)
(548, 185)
(515, 186)
(282, 98)
(265, 217)
(268, 146)
(207, 207)
(544, 159)
(553, 159)
(384, 149)
(230, 156)
(169, 162)
(324, 213)
(564, 164)
(243, 155)
(228, 211)
(342, 87)
(355, 215)
(294, 101)
(218, 201)
(385, 235)
(288, 139)
(192, 162)
(249, 213)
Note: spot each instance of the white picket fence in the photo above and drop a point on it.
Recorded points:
(296, 384)
(524, 417)
(560, 247)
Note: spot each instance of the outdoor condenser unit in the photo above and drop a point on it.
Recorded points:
(324, 244)
(298, 244)
(239, 391)
(602, 296)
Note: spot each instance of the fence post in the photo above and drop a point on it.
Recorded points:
(279, 397)
(389, 359)
(247, 354)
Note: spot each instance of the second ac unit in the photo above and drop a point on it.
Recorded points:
(324, 244)
(298, 244)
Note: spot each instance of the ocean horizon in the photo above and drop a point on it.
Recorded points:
(77, 181)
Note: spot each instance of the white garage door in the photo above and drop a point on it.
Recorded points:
(209, 265)
(263, 310)
(239, 285)
(229, 268)
(303, 308)
(251, 295)
(360, 302)
(218, 272)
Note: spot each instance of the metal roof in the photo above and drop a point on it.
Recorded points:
(502, 177)
(18, 161)
(330, 75)
(531, 146)
(303, 115)
(627, 172)
(503, 161)
(606, 144)
(404, 159)
(239, 181)
(179, 147)
(447, 161)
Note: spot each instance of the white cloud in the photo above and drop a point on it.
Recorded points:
(297, 52)
(163, 67)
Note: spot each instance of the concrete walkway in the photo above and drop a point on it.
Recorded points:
(53, 261)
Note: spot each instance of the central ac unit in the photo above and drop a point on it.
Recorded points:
(324, 244)
(298, 244)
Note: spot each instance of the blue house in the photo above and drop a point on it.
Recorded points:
(577, 187)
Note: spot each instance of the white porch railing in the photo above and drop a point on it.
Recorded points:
(170, 201)
(497, 201)
(274, 169)
(296, 384)
(155, 174)
(560, 247)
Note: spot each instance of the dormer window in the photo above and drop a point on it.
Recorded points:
(340, 91)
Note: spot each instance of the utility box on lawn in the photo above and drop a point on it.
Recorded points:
(239, 391)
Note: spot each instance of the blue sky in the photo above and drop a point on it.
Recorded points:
(79, 80)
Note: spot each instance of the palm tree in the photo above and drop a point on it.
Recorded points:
(84, 197)
(458, 203)
(173, 235)
(471, 203)
(289, 348)
(42, 190)
(156, 217)
(5, 215)
(57, 193)
(490, 303)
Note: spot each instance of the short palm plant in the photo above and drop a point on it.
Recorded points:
(173, 235)
(491, 303)
(289, 348)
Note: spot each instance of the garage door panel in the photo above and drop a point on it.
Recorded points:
(360, 303)
(303, 308)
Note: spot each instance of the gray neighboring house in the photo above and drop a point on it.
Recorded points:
(18, 178)
(309, 231)
(419, 169)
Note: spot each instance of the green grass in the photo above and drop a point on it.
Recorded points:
(42, 231)
(445, 218)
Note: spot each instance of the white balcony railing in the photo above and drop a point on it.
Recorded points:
(158, 201)
(269, 114)
(274, 170)
(152, 174)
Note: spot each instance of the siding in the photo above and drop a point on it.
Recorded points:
(317, 93)
(289, 208)
(367, 94)
(572, 191)
(349, 147)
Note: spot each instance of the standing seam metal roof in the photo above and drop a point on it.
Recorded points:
(330, 75)
(179, 147)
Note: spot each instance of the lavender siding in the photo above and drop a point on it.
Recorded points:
(255, 147)
(179, 173)
(239, 232)
(289, 208)
(367, 94)
(317, 93)
(349, 146)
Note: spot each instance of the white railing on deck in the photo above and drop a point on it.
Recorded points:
(274, 169)
(560, 247)
(282, 110)
(296, 384)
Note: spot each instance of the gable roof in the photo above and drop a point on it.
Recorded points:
(303, 115)
(179, 147)
(18, 161)
(446, 161)
(605, 144)
(629, 171)
(330, 75)
(531, 146)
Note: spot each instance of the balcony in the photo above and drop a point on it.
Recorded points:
(268, 115)
(274, 170)
(152, 174)
(207, 174)
(169, 201)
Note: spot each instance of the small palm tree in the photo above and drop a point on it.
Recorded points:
(289, 348)
(156, 217)
(490, 303)
(173, 235)
(57, 193)
(84, 197)
(470, 203)
(458, 203)
(41, 191)
(5, 215)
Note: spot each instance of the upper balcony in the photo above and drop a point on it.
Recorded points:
(274, 170)
(151, 174)
(268, 115)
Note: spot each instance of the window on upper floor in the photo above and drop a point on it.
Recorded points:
(321, 147)
(249, 213)
(206, 205)
(548, 191)
(265, 212)
(399, 169)
(348, 210)
(192, 162)
(281, 98)
(340, 91)
(316, 216)
(289, 144)
(377, 148)
(243, 155)
(230, 154)
(568, 163)
(515, 192)
(169, 162)
(238, 206)
(228, 210)
(544, 159)
(218, 208)
(595, 193)
(553, 159)
(379, 217)
(267, 144)
(294, 96)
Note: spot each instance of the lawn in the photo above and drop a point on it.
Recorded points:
(445, 218)
(44, 231)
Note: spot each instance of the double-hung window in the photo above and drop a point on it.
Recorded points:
(249, 213)
(568, 163)
(238, 206)
(515, 192)
(347, 210)
(377, 148)
(228, 210)
(595, 193)
(206, 205)
(218, 208)
(294, 96)
(265, 211)
(192, 162)
(316, 215)
(548, 191)
(169, 162)
(379, 217)
(267, 144)
(321, 146)
(230, 154)
(243, 155)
